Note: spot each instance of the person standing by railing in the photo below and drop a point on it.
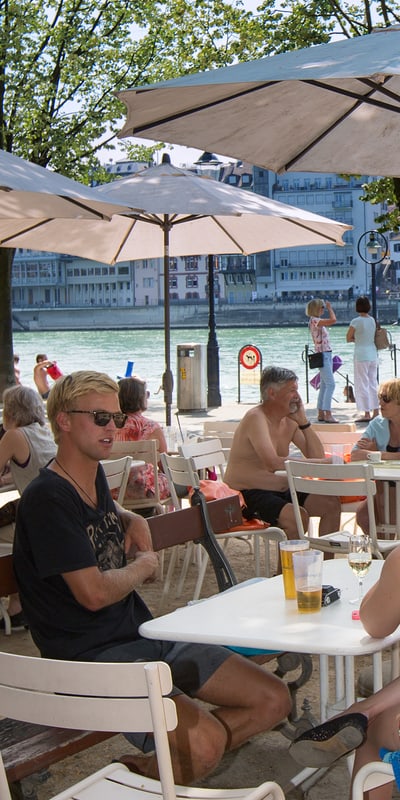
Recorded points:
(318, 329)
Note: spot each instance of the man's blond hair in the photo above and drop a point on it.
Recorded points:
(69, 388)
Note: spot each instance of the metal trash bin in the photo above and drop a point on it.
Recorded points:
(192, 377)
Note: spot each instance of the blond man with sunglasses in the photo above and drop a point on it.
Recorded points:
(382, 434)
(79, 560)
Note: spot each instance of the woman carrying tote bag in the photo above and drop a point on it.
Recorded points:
(318, 329)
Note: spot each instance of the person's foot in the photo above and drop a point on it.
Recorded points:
(18, 622)
(136, 763)
(323, 745)
(321, 418)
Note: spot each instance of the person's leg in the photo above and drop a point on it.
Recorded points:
(380, 713)
(383, 731)
(327, 386)
(361, 385)
(247, 700)
(275, 508)
(327, 508)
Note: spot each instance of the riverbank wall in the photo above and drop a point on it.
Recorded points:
(251, 315)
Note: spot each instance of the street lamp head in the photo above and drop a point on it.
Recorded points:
(373, 245)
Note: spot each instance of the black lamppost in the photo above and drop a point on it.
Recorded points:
(213, 392)
(372, 247)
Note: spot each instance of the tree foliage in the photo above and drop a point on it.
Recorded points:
(61, 62)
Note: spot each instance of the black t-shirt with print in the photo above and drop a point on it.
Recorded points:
(56, 532)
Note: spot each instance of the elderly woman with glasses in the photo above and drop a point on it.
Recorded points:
(382, 434)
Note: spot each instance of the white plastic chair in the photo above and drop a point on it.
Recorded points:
(349, 439)
(369, 777)
(105, 697)
(183, 471)
(355, 479)
(143, 450)
(117, 474)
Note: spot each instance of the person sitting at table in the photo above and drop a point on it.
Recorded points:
(381, 434)
(133, 398)
(80, 558)
(260, 447)
(369, 724)
(26, 446)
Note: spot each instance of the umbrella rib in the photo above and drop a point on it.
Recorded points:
(203, 107)
(229, 235)
(81, 204)
(34, 225)
(259, 87)
(338, 120)
(364, 98)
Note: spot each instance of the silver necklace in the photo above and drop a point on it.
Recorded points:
(92, 502)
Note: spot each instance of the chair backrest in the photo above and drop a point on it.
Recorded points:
(208, 453)
(338, 480)
(338, 426)
(180, 471)
(338, 437)
(198, 524)
(144, 450)
(216, 427)
(117, 474)
(90, 696)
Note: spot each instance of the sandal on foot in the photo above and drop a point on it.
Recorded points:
(323, 745)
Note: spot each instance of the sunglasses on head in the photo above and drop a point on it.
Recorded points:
(384, 398)
(102, 418)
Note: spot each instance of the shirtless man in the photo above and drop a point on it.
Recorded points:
(260, 448)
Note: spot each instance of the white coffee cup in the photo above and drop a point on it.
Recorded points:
(375, 457)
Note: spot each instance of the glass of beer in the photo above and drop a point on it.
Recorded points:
(307, 566)
(287, 549)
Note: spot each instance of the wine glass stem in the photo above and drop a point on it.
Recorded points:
(360, 589)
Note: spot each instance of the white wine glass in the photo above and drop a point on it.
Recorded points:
(359, 559)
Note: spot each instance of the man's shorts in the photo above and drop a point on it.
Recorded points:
(268, 504)
(191, 667)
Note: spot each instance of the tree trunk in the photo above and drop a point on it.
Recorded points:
(7, 377)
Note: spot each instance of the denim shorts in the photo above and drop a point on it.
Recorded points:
(191, 666)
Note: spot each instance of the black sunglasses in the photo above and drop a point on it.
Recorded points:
(384, 398)
(102, 418)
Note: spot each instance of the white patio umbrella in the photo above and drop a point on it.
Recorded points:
(184, 214)
(32, 195)
(328, 108)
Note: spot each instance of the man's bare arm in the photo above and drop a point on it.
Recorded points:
(94, 589)
(380, 609)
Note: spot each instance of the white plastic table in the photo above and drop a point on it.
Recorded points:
(255, 614)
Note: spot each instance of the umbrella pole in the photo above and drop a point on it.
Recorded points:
(167, 378)
(213, 392)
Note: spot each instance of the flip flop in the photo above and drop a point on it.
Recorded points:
(332, 421)
(323, 745)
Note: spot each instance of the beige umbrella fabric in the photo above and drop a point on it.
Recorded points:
(32, 195)
(328, 108)
(184, 214)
